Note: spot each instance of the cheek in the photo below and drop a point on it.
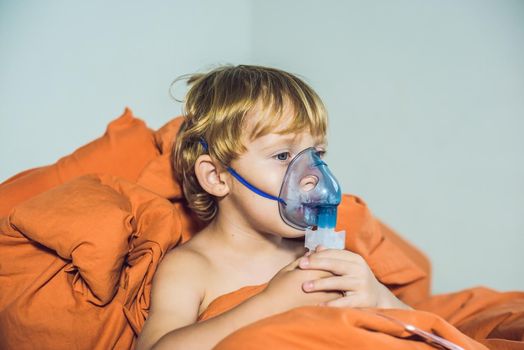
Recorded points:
(259, 210)
(265, 217)
(268, 179)
(263, 213)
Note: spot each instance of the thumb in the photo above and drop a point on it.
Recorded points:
(292, 265)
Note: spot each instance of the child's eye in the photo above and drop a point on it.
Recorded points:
(321, 153)
(283, 156)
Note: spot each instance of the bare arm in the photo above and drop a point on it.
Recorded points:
(175, 296)
(205, 335)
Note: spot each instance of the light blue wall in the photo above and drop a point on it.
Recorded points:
(426, 100)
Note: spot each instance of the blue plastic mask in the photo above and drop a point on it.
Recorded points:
(309, 194)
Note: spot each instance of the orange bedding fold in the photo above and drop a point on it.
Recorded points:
(325, 328)
(493, 318)
(77, 264)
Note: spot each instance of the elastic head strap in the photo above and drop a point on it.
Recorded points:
(204, 144)
(242, 180)
(253, 188)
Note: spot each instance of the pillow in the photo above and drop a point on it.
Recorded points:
(157, 176)
(125, 148)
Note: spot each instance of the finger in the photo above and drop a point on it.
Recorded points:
(353, 300)
(338, 283)
(336, 266)
(293, 265)
(346, 301)
(339, 254)
(320, 248)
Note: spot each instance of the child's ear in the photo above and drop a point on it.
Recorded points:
(210, 177)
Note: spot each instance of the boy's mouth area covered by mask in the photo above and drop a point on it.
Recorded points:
(308, 198)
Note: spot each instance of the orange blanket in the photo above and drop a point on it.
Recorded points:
(77, 254)
(495, 320)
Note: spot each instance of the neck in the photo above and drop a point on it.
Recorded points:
(239, 236)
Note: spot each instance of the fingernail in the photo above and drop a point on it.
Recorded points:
(304, 262)
(308, 285)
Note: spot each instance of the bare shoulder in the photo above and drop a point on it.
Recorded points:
(182, 269)
(185, 259)
(177, 291)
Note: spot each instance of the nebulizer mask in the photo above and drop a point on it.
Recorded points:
(308, 199)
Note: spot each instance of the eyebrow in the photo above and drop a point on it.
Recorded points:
(282, 140)
(287, 140)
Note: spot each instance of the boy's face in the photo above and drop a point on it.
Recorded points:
(264, 165)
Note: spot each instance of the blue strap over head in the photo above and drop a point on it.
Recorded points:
(204, 144)
(253, 188)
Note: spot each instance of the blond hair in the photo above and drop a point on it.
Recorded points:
(215, 109)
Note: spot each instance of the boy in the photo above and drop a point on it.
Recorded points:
(243, 127)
